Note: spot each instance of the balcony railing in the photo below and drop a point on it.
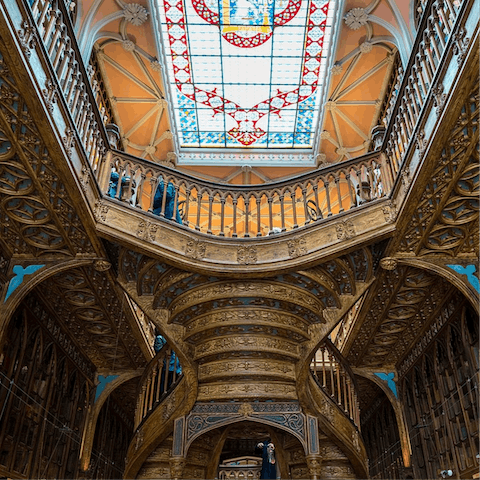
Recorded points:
(335, 377)
(435, 29)
(51, 18)
(244, 211)
(247, 211)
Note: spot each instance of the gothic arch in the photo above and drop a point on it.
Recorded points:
(26, 285)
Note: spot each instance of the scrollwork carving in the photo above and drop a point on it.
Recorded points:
(147, 231)
(389, 263)
(390, 212)
(195, 249)
(297, 247)
(345, 230)
(102, 265)
(247, 255)
(100, 211)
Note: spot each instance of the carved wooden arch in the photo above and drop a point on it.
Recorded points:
(9, 306)
(215, 457)
(254, 419)
(92, 416)
(446, 273)
(397, 408)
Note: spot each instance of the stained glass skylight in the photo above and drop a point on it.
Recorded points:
(245, 73)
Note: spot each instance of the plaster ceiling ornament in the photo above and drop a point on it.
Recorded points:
(135, 14)
(128, 45)
(325, 135)
(150, 149)
(155, 66)
(330, 106)
(356, 18)
(366, 47)
(337, 69)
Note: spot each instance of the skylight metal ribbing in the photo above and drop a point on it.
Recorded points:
(245, 73)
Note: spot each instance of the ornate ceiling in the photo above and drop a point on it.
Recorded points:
(369, 38)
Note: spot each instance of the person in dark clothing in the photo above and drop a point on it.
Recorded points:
(269, 465)
(169, 202)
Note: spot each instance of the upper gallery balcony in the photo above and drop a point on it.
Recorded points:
(166, 206)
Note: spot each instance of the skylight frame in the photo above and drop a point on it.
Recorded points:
(253, 156)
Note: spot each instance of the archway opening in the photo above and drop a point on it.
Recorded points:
(232, 452)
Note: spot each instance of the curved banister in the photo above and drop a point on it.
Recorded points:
(160, 377)
(244, 210)
(336, 378)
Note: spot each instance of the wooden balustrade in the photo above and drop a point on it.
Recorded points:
(438, 19)
(240, 468)
(334, 376)
(245, 211)
(159, 378)
(55, 31)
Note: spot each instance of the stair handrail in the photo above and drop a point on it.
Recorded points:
(436, 28)
(54, 28)
(335, 377)
(161, 376)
